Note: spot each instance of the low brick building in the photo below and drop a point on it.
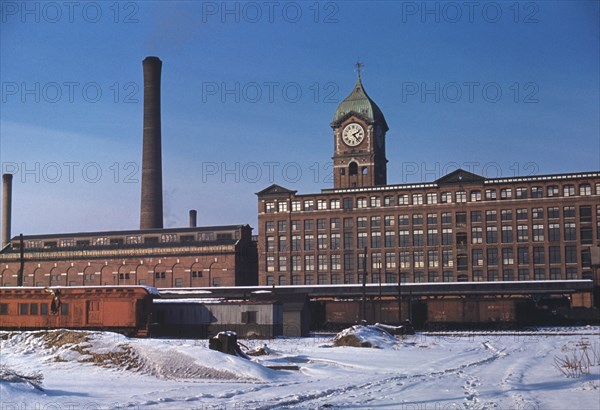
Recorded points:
(163, 258)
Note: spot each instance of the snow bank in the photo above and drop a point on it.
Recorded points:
(364, 336)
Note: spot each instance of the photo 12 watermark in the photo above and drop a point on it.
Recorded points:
(56, 92)
(91, 172)
(52, 12)
(252, 12)
(453, 12)
(253, 92)
(470, 92)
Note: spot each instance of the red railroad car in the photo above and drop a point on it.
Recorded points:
(123, 309)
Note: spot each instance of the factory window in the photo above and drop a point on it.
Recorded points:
(270, 263)
(309, 262)
(506, 193)
(446, 197)
(554, 254)
(361, 241)
(539, 274)
(216, 282)
(348, 278)
(282, 206)
(432, 259)
(348, 261)
(522, 233)
(389, 220)
(348, 240)
(506, 215)
(390, 260)
(523, 274)
(282, 226)
(447, 259)
(569, 212)
(335, 279)
(168, 237)
(475, 216)
(586, 235)
(361, 202)
(403, 199)
(571, 273)
(491, 216)
(270, 244)
(521, 193)
(336, 262)
(539, 256)
(123, 275)
(432, 198)
(492, 256)
(66, 243)
(537, 213)
(178, 283)
(432, 237)
(477, 257)
(404, 260)
(554, 212)
(309, 224)
(335, 241)
(447, 276)
(334, 204)
(296, 243)
(282, 264)
(50, 244)
(322, 279)
(321, 224)
(477, 276)
(552, 190)
(585, 213)
(475, 196)
(160, 275)
(493, 275)
(375, 221)
(196, 274)
(309, 205)
(295, 225)
(270, 280)
(322, 241)
(375, 201)
(296, 280)
(461, 238)
(361, 222)
(507, 256)
(403, 220)
(569, 190)
(554, 232)
(418, 258)
(3, 308)
(133, 239)
(431, 219)
(555, 274)
(309, 242)
(388, 200)
(507, 234)
(419, 277)
(270, 207)
(523, 256)
(296, 206)
(508, 274)
(522, 214)
(282, 280)
(537, 192)
(417, 219)
(403, 238)
(446, 218)
(418, 237)
(447, 236)
(417, 199)
(461, 218)
(296, 263)
(461, 196)
(433, 276)
(490, 194)
(321, 204)
(585, 189)
(538, 233)
(249, 317)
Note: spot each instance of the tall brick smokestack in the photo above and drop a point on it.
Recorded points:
(151, 212)
(6, 207)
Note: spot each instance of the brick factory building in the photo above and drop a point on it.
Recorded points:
(163, 258)
(462, 227)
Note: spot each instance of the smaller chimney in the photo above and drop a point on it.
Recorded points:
(6, 207)
(193, 218)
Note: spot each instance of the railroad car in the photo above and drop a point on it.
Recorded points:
(122, 309)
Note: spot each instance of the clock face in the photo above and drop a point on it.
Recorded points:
(353, 134)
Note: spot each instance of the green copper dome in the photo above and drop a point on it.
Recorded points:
(359, 103)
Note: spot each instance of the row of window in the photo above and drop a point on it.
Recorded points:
(34, 309)
(492, 275)
(538, 255)
(432, 237)
(431, 198)
(446, 218)
(128, 240)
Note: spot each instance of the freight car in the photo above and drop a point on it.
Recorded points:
(339, 314)
(122, 309)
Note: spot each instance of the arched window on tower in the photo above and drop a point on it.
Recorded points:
(353, 169)
(364, 170)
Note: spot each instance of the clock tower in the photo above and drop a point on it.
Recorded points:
(359, 141)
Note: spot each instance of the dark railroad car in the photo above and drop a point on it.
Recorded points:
(469, 312)
(123, 309)
(340, 314)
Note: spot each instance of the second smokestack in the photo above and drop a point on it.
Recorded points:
(6, 207)
(193, 218)
(151, 212)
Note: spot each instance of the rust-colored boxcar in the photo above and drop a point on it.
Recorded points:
(480, 311)
(123, 309)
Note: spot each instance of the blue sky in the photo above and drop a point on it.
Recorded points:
(249, 90)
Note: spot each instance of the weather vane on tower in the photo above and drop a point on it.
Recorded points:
(358, 66)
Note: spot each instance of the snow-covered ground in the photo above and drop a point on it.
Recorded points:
(454, 370)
